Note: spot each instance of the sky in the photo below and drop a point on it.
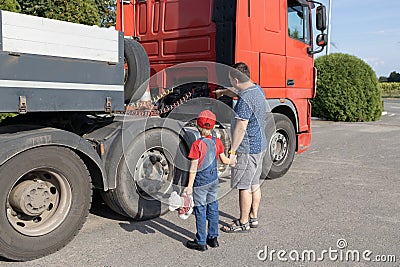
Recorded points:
(368, 29)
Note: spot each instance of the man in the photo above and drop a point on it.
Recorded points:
(248, 146)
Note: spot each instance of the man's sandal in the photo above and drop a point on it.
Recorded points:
(236, 227)
(253, 222)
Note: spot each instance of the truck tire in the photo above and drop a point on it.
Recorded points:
(159, 152)
(281, 141)
(45, 196)
(137, 70)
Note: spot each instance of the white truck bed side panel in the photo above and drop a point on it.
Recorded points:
(40, 36)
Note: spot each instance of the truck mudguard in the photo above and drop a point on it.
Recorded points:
(276, 104)
(119, 134)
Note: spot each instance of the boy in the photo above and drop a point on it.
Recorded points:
(203, 177)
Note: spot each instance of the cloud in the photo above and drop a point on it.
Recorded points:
(381, 32)
(386, 32)
(376, 62)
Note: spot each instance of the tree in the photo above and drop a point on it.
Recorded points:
(10, 5)
(394, 77)
(348, 89)
(77, 11)
(107, 12)
(295, 34)
(383, 79)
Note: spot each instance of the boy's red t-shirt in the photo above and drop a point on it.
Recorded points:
(199, 149)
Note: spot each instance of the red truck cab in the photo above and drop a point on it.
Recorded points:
(273, 37)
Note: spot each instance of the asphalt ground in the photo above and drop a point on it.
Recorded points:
(340, 199)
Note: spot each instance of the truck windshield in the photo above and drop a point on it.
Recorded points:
(298, 22)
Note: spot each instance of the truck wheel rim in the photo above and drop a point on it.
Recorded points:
(279, 147)
(223, 135)
(39, 202)
(152, 173)
(125, 70)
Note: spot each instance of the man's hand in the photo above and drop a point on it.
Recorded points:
(219, 93)
(188, 190)
(229, 91)
(232, 160)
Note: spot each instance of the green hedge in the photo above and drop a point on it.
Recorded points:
(6, 115)
(77, 11)
(10, 5)
(390, 89)
(347, 89)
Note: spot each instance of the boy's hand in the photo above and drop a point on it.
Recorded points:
(188, 190)
(232, 160)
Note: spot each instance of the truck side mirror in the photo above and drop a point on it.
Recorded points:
(321, 18)
(322, 39)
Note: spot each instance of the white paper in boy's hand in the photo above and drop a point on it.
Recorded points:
(174, 201)
(183, 203)
(187, 206)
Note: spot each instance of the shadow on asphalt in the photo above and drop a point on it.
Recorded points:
(160, 225)
(99, 208)
(5, 260)
(227, 216)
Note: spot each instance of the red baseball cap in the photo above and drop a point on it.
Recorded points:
(206, 119)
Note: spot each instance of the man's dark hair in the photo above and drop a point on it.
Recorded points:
(241, 72)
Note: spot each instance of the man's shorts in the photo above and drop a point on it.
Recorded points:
(247, 171)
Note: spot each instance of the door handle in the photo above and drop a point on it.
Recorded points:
(290, 82)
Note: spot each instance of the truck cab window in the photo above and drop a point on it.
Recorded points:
(298, 21)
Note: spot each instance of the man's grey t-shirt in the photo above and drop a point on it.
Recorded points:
(251, 106)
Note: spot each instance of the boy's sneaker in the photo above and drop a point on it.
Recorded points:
(195, 246)
(213, 242)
